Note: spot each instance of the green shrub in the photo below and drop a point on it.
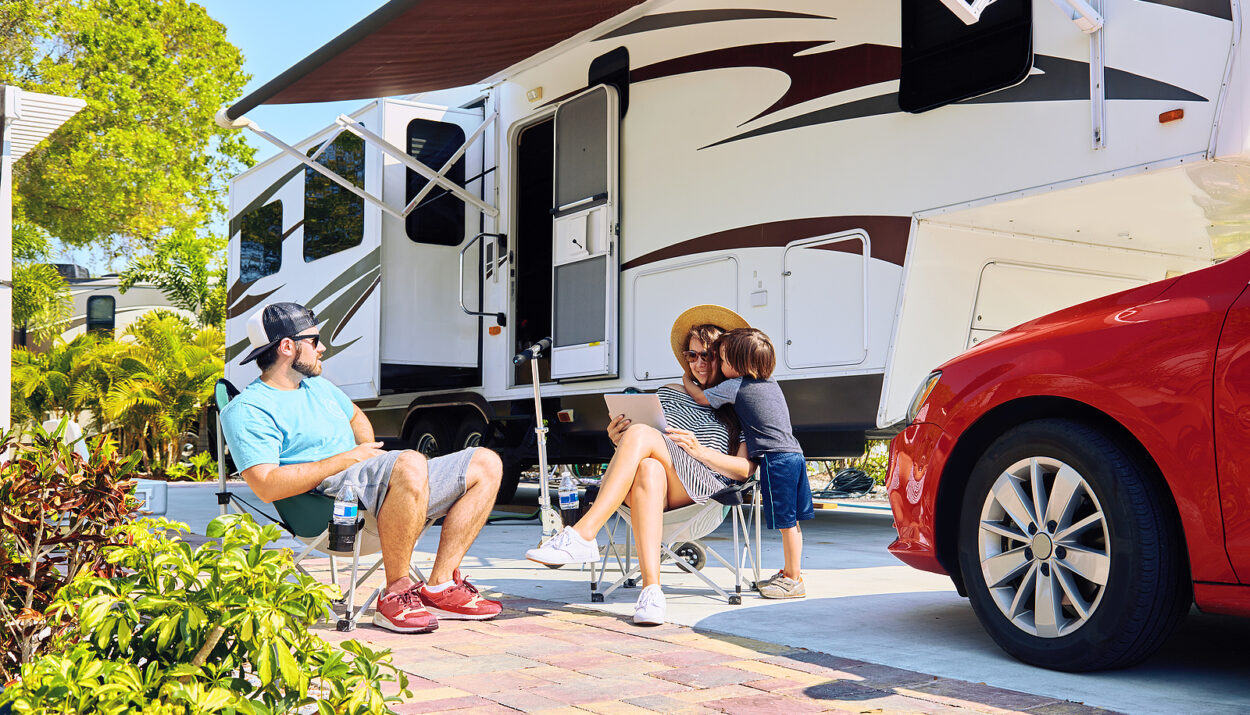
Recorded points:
(219, 628)
(200, 467)
(58, 515)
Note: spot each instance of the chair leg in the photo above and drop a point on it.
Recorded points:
(348, 622)
(334, 571)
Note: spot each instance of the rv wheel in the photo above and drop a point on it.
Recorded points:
(472, 433)
(427, 437)
(512, 468)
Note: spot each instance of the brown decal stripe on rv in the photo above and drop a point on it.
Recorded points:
(663, 21)
(371, 261)
(236, 291)
(262, 198)
(250, 301)
(811, 76)
(1222, 9)
(335, 315)
(237, 349)
(361, 301)
(887, 235)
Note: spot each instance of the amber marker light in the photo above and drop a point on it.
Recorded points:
(1171, 116)
(494, 330)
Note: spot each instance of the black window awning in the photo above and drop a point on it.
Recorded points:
(410, 46)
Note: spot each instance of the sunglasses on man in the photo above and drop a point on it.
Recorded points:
(313, 339)
(705, 355)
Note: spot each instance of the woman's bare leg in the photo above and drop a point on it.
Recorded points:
(638, 443)
(647, 499)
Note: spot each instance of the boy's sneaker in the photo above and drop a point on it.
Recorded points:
(650, 609)
(783, 586)
(400, 610)
(460, 601)
(566, 547)
(764, 582)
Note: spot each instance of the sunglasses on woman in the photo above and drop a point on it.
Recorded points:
(705, 355)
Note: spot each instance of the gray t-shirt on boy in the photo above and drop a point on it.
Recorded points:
(761, 408)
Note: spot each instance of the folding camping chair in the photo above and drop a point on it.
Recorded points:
(307, 518)
(679, 540)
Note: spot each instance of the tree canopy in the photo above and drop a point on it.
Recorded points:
(144, 159)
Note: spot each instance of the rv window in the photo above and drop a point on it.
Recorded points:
(334, 218)
(101, 314)
(439, 218)
(945, 61)
(260, 242)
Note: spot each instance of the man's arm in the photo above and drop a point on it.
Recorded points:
(271, 482)
(362, 429)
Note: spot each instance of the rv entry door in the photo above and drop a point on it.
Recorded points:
(584, 265)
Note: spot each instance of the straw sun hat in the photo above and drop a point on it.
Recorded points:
(702, 315)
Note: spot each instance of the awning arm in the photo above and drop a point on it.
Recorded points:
(442, 180)
(348, 124)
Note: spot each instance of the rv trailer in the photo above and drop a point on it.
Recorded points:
(876, 185)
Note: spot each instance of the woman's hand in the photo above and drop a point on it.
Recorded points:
(617, 427)
(688, 442)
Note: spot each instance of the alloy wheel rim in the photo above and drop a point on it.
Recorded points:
(1044, 547)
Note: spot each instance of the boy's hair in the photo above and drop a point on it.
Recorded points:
(750, 352)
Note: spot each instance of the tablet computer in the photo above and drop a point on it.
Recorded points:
(638, 408)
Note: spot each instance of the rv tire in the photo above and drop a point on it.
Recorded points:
(428, 437)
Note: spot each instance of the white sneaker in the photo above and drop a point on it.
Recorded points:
(566, 547)
(650, 609)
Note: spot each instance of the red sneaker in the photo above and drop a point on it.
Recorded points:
(460, 601)
(402, 612)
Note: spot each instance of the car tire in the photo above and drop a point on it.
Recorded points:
(1099, 580)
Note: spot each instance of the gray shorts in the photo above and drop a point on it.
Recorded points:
(371, 480)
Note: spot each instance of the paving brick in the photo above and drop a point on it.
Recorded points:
(562, 676)
(883, 676)
(776, 685)
(763, 704)
(706, 676)
(447, 667)
(433, 706)
(667, 704)
(614, 707)
(976, 696)
(496, 682)
(776, 671)
(1070, 708)
(689, 657)
(741, 646)
(602, 689)
(491, 709)
(720, 692)
(441, 692)
(813, 662)
(525, 700)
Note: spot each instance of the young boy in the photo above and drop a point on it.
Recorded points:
(747, 360)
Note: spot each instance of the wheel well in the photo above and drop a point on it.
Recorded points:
(992, 425)
(451, 414)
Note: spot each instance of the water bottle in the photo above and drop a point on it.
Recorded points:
(343, 523)
(569, 511)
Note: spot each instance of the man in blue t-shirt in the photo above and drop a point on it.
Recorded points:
(291, 431)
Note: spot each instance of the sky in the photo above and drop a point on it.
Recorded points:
(275, 34)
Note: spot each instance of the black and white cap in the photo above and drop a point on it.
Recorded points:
(269, 325)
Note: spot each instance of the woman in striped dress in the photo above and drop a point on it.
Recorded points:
(652, 471)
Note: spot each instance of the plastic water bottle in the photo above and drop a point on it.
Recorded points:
(569, 511)
(343, 523)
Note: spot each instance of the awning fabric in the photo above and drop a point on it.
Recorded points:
(410, 46)
(38, 115)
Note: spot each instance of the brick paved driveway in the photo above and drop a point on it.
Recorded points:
(540, 656)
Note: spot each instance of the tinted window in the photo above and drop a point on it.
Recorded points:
(439, 218)
(101, 314)
(334, 218)
(945, 60)
(260, 242)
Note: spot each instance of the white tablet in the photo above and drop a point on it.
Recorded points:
(638, 408)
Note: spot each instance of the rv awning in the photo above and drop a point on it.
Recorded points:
(410, 46)
(31, 117)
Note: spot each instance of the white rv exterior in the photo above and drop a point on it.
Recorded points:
(761, 162)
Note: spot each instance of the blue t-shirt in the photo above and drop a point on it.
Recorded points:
(265, 425)
(761, 408)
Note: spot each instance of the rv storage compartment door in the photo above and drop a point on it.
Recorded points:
(826, 301)
(584, 265)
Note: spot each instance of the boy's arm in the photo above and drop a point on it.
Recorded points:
(687, 381)
(725, 393)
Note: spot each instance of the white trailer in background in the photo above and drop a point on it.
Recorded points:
(876, 185)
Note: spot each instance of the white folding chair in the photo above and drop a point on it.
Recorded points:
(680, 541)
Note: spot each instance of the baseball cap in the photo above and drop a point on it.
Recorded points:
(273, 322)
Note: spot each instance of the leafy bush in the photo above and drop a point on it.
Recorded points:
(199, 467)
(219, 628)
(874, 461)
(58, 512)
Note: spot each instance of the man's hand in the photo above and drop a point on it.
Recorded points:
(368, 450)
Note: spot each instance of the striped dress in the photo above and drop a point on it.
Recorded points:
(682, 412)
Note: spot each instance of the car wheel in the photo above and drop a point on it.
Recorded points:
(1070, 560)
(428, 437)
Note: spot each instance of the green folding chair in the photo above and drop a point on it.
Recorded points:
(307, 518)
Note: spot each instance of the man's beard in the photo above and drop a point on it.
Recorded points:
(307, 369)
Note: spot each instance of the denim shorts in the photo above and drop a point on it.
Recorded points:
(787, 495)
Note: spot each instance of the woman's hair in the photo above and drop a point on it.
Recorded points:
(749, 351)
(708, 334)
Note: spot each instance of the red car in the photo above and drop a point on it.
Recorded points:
(1084, 477)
